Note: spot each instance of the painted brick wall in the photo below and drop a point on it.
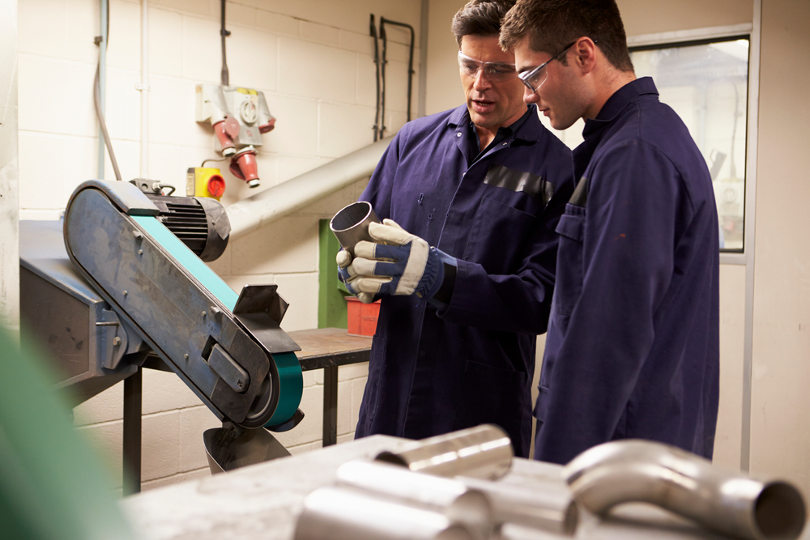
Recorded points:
(313, 61)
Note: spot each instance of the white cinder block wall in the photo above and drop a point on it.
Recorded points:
(313, 61)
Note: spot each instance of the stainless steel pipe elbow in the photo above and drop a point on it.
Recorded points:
(642, 471)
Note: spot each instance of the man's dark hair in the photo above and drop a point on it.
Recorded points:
(553, 24)
(480, 18)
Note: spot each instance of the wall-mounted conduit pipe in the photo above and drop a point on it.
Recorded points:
(373, 33)
(224, 75)
(642, 471)
(99, 82)
(144, 88)
(384, 36)
(253, 212)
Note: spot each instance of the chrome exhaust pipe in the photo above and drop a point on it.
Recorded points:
(344, 513)
(533, 505)
(483, 451)
(642, 471)
(447, 496)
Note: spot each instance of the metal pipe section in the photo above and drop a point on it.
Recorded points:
(444, 495)
(483, 451)
(343, 513)
(253, 212)
(536, 507)
(643, 471)
(350, 224)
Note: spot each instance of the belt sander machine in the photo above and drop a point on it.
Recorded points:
(136, 268)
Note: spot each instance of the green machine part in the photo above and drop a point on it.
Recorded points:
(51, 486)
(331, 292)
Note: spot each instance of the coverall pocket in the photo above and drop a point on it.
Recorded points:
(497, 237)
(570, 270)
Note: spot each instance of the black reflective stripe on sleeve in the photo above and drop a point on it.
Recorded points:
(580, 195)
(532, 184)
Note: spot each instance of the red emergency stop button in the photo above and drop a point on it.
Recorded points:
(216, 186)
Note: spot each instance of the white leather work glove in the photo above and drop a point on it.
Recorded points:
(397, 263)
(344, 260)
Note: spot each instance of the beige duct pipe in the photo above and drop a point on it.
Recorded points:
(253, 212)
(642, 471)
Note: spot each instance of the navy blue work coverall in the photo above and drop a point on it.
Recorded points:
(472, 360)
(632, 344)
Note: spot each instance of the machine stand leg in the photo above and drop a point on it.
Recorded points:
(330, 390)
(133, 386)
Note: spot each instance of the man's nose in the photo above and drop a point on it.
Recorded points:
(530, 96)
(481, 80)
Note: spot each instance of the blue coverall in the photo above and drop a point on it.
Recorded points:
(632, 344)
(472, 360)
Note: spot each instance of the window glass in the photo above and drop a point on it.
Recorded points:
(706, 84)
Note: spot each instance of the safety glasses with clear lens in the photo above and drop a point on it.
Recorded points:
(535, 77)
(493, 70)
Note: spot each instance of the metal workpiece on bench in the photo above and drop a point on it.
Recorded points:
(483, 451)
(460, 503)
(181, 308)
(688, 485)
(529, 505)
(345, 513)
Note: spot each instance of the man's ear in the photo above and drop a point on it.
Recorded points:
(585, 53)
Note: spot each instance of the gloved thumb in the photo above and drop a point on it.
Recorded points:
(343, 258)
(392, 223)
(389, 232)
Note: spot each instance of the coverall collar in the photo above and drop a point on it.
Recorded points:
(519, 131)
(461, 117)
(616, 104)
(595, 128)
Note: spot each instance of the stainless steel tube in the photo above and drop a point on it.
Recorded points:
(444, 495)
(642, 471)
(343, 513)
(536, 507)
(483, 451)
(350, 224)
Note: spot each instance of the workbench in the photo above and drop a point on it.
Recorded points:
(263, 501)
(328, 349)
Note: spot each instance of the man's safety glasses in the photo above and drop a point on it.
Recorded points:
(493, 70)
(535, 77)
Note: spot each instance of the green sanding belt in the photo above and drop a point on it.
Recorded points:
(291, 381)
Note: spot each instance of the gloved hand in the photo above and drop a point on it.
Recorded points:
(344, 260)
(397, 263)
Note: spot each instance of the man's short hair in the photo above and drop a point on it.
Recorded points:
(480, 18)
(553, 24)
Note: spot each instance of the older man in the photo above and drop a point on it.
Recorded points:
(464, 260)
